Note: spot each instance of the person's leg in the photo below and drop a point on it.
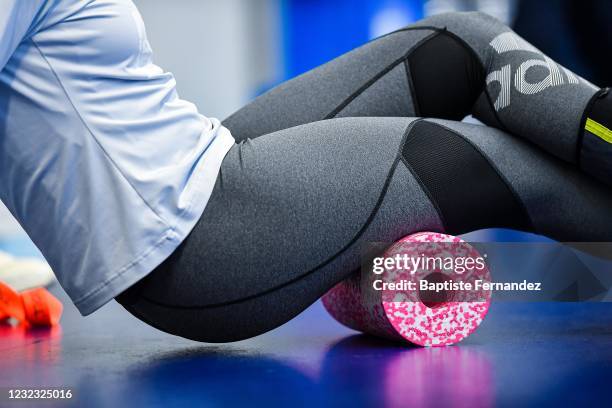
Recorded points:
(291, 211)
(449, 66)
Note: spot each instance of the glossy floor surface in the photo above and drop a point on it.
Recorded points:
(523, 354)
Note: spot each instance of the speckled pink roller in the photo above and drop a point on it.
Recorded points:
(403, 315)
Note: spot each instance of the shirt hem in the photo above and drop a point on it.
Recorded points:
(202, 186)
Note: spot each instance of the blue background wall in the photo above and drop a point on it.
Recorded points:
(315, 31)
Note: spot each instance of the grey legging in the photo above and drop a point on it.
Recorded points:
(332, 159)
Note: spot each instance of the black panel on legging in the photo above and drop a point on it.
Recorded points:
(447, 77)
(467, 189)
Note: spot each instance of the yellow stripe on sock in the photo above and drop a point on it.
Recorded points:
(598, 130)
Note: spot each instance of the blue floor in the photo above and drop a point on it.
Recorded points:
(523, 354)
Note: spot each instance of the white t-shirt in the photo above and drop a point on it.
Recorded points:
(100, 161)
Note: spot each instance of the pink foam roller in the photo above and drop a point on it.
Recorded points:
(425, 318)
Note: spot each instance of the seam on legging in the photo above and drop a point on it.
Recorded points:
(332, 258)
(501, 124)
(581, 129)
(499, 173)
(411, 28)
(378, 76)
(415, 100)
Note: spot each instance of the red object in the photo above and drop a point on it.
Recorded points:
(41, 307)
(10, 303)
(37, 306)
